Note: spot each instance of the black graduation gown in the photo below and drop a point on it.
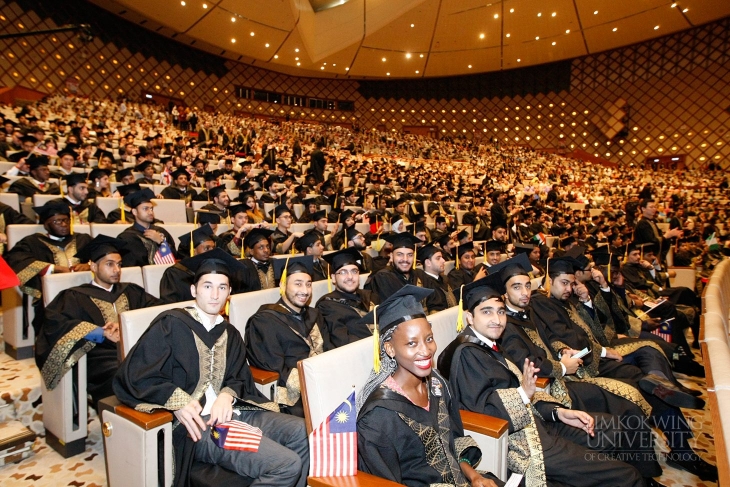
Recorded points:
(25, 188)
(140, 250)
(388, 281)
(462, 277)
(255, 278)
(277, 240)
(175, 284)
(70, 317)
(163, 371)
(30, 259)
(388, 446)
(116, 215)
(320, 270)
(442, 297)
(173, 193)
(277, 338)
(87, 212)
(226, 242)
(342, 313)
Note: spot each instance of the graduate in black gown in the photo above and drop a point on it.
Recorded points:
(548, 442)
(124, 213)
(176, 280)
(144, 239)
(433, 278)
(37, 180)
(281, 334)
(163, 370)
(311, 244)
(259, 273)
(9, 216)
(468, 269)
(401, 271)
(40, 254)
(344, 308)
(282, 239)
(84, 320)
(408, 428)
(77, 197)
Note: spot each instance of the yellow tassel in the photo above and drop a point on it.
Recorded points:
(121, 207)
(329, 279)
(282, 283)
(485, 253)
(243, 255)
(457, 255)
(192, 244)
(376, 342)
(547, 276)
(71, 222)
(415, 258)
(228, 220)
(60, 187)
(228, 308)
(460, 314)
(610, 255)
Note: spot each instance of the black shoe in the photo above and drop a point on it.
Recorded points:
(693, 464)
(650, 482)
(687, 390)
(667, 392)
(689, 367)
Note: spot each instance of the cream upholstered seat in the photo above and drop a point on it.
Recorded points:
(327, 379)
(152, 276)
(66, 422)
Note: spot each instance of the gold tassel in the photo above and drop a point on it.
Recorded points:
(227, 310)
(60, 186)
(71, 222)
(376, 341)
(121, 207)
(243, 255)
(329, 279)
(457, 255)
(460, 314)
(282, 282)
(610, 255)
(547, 276)
(484, 250)
(192, 244)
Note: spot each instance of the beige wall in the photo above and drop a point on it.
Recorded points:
(678, 88)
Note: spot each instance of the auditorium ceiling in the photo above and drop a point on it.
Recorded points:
(411, 38)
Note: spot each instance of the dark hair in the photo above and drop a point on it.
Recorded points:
(486, 297)
(645, 202)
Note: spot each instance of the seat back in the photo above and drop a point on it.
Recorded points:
(107, 205)
(16, 233)
(171, 211)
(42, 199)
(10, 199)
(53, 284)
(443, 325)
(242, 306)
(135, 322)
(178, 229)
(152, 275)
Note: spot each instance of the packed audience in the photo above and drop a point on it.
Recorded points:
(562, 268)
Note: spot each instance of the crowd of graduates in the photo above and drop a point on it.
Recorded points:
(596, 240)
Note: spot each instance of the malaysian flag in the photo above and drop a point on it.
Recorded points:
(664, 331)
(333, 445)
(164, 255)
(236, 435)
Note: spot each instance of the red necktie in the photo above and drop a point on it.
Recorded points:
(495, 347)
(42, 185)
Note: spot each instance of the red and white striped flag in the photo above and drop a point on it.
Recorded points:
(164, 255)
(664, 331)
(333, 445)
(236, 435)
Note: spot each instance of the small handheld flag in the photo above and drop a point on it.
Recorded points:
(236, 435)
(164, 255)
(333, 444)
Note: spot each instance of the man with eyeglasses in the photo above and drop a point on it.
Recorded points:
(282, 239)
(39, 255)
(356, 240)
(344, 308)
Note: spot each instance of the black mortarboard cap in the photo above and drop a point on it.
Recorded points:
(564, 265)
(351, 233)
(494, 246)
(74, 178)
(444, 239)
(255, 236)
(309, 201)
(518, 264)
(564, 242)
(427, 251)
(464, 248)
(104, 153)
(18, 156)
(341, 258)
(53, 207)
(126, 189)
(304, 263)
(345, 215)
(403, 305)
(236, 209)
(66, 152)
(281, 210)
(306, 241)
(98, 173)
(576, 251)
(318, 215)
(476, 291)
(178, 172)
(402, 240)
(208, 215)
(142, 166)
(523, 248)
(136, 198)
(34, 162)
(123, 174)
(199, 235)
(99, 247)
(462, 234)
(210, 176)
(216, 261)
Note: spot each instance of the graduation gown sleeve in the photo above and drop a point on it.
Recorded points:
(175, 284)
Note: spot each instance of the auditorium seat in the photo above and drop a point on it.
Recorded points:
(152, 276)
(10, 199)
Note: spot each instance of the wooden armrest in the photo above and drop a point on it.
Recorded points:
(146, 421)
(362, 479)
(709, 380)
(542, 382)
(481, 423)
(261, 376)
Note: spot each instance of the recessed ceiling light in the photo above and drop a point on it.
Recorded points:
(511, 10)
(481, 36)
(408, 55)
(205, 5)
(554, 43)
(233, 41)
(276, 56)
(413, 25)
(595, 12)
(537, 38)
(421, 55)
(496, 16)
(296, 59)
(554, 14)
(383, 59)
(347, 69)
(387, 74)
(416, 71)
(507, 35)
(539, 14)
(567, 31)
(233, 19)
(325, 64)
(470, 66)
(182, 3)
(252, 34)
(518, 60)
(322, 67)
(615, 29)
(656, 27)
(299, 64)
(267, 44)
(685, 11)
(296, 50)
(333, 65)
(673, 5)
